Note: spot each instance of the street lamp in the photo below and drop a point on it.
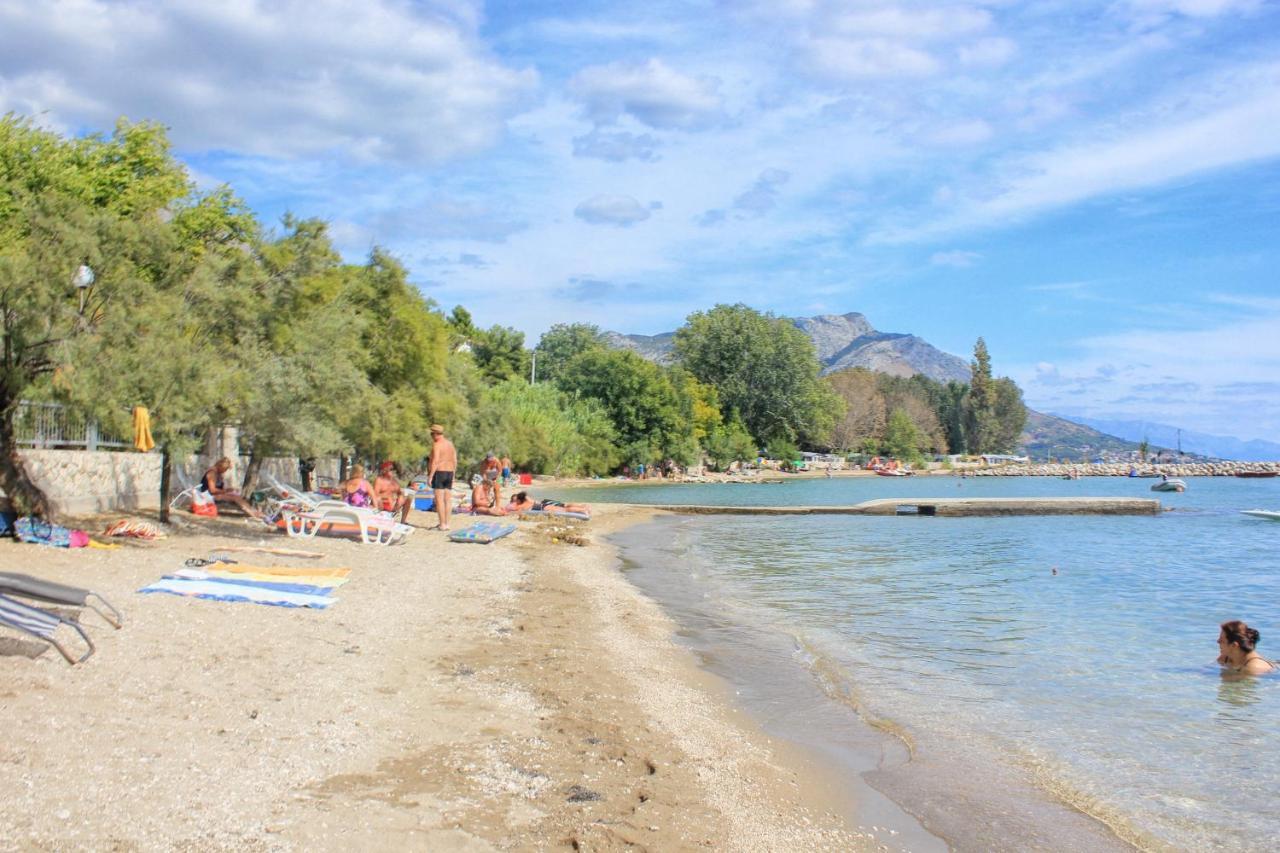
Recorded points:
(83, 280)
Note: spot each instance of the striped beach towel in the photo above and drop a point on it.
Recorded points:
(218, 590)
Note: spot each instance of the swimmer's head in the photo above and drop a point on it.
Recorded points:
(1239, 634)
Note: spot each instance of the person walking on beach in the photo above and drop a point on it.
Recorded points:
(444, 461)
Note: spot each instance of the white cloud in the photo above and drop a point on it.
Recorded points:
(1176, 376)
(1242, 130)
(616, 147)
(651, 92)
(869, 58)
(989, 52)
(907, 22)
(381, 81)
(958, 259)
(1195, 8)
(621, 210)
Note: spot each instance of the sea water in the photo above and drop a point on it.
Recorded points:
(1073, 653)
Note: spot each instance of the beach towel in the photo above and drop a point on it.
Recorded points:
(322, 583)
(482, 533)
(134, 529)
(142, 429)
(282, 571)
(38, 532)
(216, 591)
(274, 586)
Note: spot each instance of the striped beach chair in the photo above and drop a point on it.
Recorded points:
(42, 625)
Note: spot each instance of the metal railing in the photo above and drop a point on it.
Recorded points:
(54, 426)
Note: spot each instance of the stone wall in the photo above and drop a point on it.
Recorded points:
(80, 482)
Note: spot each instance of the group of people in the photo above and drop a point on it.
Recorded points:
(486, 486)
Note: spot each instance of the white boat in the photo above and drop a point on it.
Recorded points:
(1272, 515)
(1173, 484)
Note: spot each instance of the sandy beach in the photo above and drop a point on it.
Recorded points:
(519, 695)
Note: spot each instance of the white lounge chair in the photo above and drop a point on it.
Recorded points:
(187, 494)
(374, 528)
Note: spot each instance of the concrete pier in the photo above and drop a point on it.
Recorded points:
(948, 507)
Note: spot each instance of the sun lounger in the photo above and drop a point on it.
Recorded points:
(343, 520)
(25, 586)
(482, 533)
(42, 625)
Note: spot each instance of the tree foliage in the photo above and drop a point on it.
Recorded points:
(763, 368)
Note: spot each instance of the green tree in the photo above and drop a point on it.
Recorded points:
(1010, 416)
(499, 351)
(561, 344)
(902, 439)
(764, 368)
(639, 399)
(95, 201)
(980, 417)
(728, 443)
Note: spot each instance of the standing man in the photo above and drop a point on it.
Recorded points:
(444, 461)
(506, 469)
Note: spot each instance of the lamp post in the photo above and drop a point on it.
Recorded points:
(83, 280)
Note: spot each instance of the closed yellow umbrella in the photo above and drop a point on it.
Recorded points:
(142, 429)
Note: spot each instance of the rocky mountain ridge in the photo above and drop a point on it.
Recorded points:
(842, 341)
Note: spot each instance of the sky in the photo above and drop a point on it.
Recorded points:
(1093, 187)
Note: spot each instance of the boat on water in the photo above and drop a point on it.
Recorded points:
(1172, 484)
(1270, 515)
(895, 472)
(1257, 473)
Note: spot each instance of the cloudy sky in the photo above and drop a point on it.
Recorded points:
(1092, 186)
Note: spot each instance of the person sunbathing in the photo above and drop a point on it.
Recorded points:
(484, 497)
(212, 483)
(522, 502)
(356, 491)
(388, 494)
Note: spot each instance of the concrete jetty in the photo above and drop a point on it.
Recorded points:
(948, 507)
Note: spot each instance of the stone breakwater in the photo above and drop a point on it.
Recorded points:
(1122, 469)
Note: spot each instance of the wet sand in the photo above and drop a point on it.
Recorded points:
(520, 695)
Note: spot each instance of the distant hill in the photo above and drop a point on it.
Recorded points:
(842, 341)
(1198, 443)
(1049, 436)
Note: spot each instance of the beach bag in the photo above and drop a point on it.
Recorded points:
(202, 503)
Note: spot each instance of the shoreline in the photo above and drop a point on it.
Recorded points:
(453, 698)
(928, 785)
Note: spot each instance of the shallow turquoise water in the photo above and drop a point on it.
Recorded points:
(1099, 682)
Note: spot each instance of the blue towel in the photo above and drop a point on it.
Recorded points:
(482, 532)
(237, 592)
(303, 588)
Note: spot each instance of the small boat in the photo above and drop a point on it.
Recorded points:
(896, 472)
(1173, 484)
(1257, 473)
(1268, 514)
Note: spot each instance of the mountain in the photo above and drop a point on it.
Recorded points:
(1049, 436)
(841, 341)
(849, 340)
(656, 348)
(1198, 443)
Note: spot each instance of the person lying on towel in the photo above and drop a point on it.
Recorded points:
(212, 483)
(522, 502)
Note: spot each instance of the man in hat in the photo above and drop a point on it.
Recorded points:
(444, 461)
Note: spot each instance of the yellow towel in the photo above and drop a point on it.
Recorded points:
(142, 429)
(276, 577)
(280, 571)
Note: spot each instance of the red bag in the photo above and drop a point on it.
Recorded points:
(202, 503)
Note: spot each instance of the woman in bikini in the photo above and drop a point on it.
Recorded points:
(1237, 650)
(212, 483)
(356, 491)
(521, 502)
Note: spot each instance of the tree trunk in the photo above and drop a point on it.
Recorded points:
(166, 483)
(26, 497)
(251, 471)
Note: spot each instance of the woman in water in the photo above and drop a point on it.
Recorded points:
(1237, 647)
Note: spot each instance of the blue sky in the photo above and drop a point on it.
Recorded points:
(1092, 186)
